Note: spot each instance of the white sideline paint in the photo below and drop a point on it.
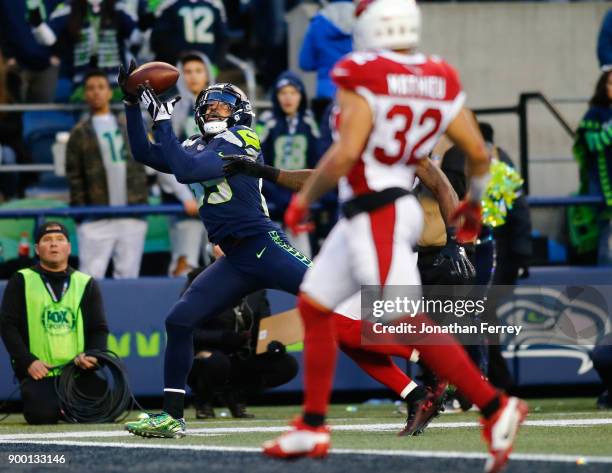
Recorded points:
(341, 451)
(335, 428)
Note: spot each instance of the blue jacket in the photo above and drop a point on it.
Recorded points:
(327, 39)
(288, 144)
(604, 41)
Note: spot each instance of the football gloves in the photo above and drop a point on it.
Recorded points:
(455, 254)
(295, 217)
(128, 98)
(159, 111)
(468, 217)
(243, 164)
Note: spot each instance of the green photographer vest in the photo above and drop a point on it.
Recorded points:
(55, 328)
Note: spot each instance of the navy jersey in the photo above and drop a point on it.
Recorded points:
(184, 25)
(229, 206)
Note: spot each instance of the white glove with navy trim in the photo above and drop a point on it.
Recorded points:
(158, 110)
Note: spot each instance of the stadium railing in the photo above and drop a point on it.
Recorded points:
(520, 110)
(169, 209)
(65, 107)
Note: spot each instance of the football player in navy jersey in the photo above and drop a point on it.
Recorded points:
(232, 208)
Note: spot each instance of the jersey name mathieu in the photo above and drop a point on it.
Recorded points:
(231, 206)
(413, 99)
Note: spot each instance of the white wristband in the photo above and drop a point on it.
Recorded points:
(478, 185)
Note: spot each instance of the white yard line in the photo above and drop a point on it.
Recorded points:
(340, 451)
(272, 429)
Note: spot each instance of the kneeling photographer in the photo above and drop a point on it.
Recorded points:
(51, 315)
(226, 369)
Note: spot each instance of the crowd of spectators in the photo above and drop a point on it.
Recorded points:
(70, 51)
(51, 49)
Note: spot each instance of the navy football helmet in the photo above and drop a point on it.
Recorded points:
(241, 112)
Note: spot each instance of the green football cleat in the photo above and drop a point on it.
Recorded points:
(158, 426)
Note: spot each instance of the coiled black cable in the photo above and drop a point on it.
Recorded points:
(108, 406)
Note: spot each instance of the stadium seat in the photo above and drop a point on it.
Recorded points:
(63, 90)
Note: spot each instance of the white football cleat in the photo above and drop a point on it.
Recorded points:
(499, 431)
(302, 440)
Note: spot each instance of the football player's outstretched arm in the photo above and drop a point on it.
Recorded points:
(436, 181)
(187, 168)
(143, 150)
(244, 164)
(355, 127)
(294, 180)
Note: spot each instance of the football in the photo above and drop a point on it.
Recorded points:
(160, 75)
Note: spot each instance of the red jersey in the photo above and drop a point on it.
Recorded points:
(413, 99)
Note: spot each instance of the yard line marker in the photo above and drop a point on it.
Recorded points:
(274, 429)
(342, 451)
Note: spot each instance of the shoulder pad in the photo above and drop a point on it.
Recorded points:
(247, 137)
(230, 137)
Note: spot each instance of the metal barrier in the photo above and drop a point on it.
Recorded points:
(521, 110)
(67, 107)
(175, 209)
(93, 211)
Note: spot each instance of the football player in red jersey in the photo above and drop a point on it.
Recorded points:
(394, 104)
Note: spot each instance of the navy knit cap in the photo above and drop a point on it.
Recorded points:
(288, 80)
(51, 227)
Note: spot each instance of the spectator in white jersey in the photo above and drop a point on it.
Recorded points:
(100, 172)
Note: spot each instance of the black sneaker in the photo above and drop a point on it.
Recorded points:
(239, 411)
(604, 401)
(205, 411)
(413, 402)
(425, 406)
(234, 399)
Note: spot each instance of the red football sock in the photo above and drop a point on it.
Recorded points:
(348, 333)
(381, 368)
(319, 356)
(442, 354)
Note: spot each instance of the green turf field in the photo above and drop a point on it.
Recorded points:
(561, 432)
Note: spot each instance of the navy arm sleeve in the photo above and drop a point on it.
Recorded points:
(187, 168)
(145, 152)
